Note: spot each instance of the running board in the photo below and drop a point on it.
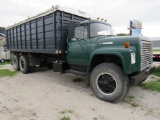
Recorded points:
(76, 72)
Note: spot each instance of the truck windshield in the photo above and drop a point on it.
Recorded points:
(99, 29)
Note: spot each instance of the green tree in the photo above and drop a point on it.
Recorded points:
(122, 34)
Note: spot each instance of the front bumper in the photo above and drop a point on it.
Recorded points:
(142, 76)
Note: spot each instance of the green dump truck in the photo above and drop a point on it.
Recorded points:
(67, 40)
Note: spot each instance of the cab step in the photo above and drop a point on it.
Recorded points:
(76, 72)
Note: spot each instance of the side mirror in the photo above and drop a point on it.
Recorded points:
(2, 32)
(71, 29)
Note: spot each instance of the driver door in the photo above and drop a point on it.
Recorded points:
(77, 53)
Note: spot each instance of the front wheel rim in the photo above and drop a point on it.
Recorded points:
(107, 84)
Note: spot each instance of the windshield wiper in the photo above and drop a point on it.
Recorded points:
(98, 36)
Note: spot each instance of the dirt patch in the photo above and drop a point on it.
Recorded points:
(47, 95)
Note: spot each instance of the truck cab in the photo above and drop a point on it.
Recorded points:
(111, 63)
(82, 43)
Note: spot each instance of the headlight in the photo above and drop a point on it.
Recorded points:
(133, 57)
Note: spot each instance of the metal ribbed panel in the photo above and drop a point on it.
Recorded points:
(146, 54)
(44, 34)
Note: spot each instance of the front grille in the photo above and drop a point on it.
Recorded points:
(146, 54)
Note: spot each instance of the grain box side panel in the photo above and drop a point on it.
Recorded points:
(49, 28)
(37, 35)
(45, 34)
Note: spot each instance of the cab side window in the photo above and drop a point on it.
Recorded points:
(81, 32)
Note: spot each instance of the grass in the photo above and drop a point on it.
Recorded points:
(95, 118)
(129, 99)
(150, 111)
(157, 71)
(152, 85)
(135, 105)
(157, 50)
(5, 63)
(142, 97)
(65, 118)
(77, 80)
(67, 111)
(6, 72)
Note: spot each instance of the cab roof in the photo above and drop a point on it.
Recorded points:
(92, 21)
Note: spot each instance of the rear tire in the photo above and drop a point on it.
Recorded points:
(15, 62)
(109, 83)
(24, 64)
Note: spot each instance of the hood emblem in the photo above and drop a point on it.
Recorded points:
(106, 43)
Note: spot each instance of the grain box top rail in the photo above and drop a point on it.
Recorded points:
(53, 9)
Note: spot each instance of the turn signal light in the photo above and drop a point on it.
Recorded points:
(127, 44)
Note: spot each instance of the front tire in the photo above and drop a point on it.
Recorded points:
(24, 64)
(109, 83)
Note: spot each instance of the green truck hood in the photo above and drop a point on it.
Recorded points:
(119, 41)
(115, 46)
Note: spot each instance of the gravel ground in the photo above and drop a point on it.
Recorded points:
(47, 95)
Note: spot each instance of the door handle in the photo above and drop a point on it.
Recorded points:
(67, 40)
